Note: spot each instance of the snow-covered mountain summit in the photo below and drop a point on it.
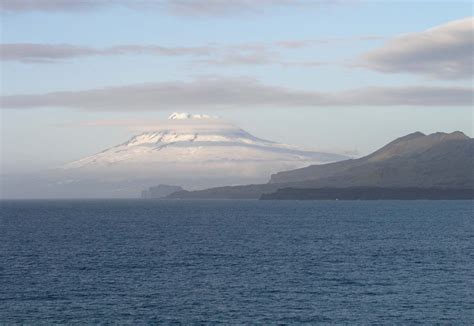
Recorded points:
(184, 116)
(196, 151)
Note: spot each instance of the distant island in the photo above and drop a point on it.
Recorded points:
(160, 191)
(416, 166)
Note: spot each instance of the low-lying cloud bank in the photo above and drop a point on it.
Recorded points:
(444, 52)
(236, 93)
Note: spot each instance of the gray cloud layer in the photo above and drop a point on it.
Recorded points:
(224, 7)
(49, 53)
(178, 7)
(215, 54)
(237, 93)
(445, 52)
(50, 5)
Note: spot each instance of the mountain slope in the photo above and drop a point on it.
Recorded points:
(416, 160)
(438, 160)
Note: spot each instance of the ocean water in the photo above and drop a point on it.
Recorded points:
(237, 262)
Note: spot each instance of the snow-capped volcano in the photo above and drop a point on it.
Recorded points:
(196, 151)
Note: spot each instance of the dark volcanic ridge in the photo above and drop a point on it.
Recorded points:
(369, 193)
(439, 160)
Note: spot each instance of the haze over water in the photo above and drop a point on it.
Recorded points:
(130, 261)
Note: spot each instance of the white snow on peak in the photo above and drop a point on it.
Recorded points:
(186, 116)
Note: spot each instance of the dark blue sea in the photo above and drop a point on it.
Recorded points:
(237, 262)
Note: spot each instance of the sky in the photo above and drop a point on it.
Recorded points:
(339, 76)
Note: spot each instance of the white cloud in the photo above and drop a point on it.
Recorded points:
(444, 52)
(140, 125)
